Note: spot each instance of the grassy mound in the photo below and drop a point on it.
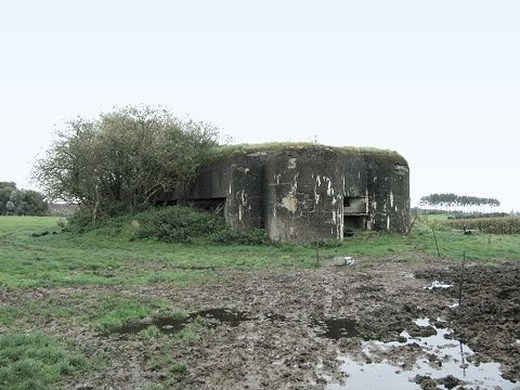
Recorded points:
(170, 224)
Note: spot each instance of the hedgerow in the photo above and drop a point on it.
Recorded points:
(505, 225)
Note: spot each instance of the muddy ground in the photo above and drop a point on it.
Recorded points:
(282, 341)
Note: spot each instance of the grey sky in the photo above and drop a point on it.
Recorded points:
(437, 81)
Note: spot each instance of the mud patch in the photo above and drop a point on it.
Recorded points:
(336, 328)
(277, 349)
(172, 325)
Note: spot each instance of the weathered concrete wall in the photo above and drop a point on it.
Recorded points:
(355, 176)
(354, 190)
(303, 194)
(239, 181)
(389, 191)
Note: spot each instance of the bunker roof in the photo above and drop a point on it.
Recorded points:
(383, 156)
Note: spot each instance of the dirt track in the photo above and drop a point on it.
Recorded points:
(280, 346)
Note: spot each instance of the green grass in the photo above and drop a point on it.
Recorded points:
(102, 267)
(420, 244)
(35, 361)
(103, 312)
(104, 258)
(115, 310)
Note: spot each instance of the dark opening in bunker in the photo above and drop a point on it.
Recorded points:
(354, 222)
(209, 204)
(354, 213)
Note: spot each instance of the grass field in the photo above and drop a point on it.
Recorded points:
(35, 254)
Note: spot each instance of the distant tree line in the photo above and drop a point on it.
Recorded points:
(452, 201)
(14, 201)
(124, 159)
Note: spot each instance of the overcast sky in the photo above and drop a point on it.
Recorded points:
(437, 81)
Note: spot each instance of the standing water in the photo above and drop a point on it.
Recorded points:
(438, 361)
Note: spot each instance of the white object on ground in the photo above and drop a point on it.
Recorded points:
(436, 284)
(344, 260)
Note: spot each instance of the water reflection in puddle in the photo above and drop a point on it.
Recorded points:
(443, 360)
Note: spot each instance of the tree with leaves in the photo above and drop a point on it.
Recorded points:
(124, 159)
(14, 201)
(450, 201)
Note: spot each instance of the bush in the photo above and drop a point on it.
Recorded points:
(187, 225)
(80, 221)
(479, 215)
(507, 225)
(252, 237)
(178, 224)
(131, 154)
(170, 224)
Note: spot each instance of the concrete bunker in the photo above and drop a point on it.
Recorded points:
(355, 212)
(305, 192)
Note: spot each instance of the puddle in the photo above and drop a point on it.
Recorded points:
(172, 325)
(226, 316)
(335, 328)
(448, 362)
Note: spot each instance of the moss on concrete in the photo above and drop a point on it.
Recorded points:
(380, 156)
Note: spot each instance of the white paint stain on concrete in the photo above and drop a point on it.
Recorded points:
(294, 187)
(243, 197)
(401, 170)
(290, 203)
(317, 183)
(330, 189)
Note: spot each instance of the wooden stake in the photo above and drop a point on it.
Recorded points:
(461, 280)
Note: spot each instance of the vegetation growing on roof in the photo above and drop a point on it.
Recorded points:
(240, 149)
(378, 155)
